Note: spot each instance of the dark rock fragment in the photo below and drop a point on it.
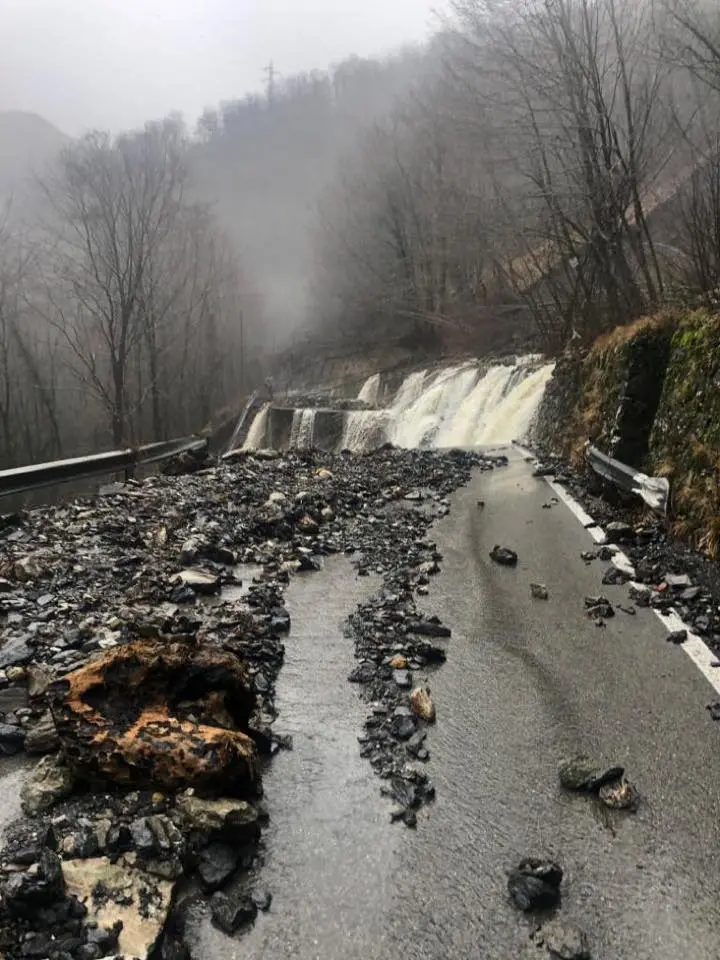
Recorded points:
(217, 863)
(614, 576)
(37, 888)
(12, 739)
(599, 608)
(15, 652)
(619, 531)
(535, 884)
(364, 673)
(403, 727)
(230, 914)
(431, 628)
(504, 556)
(714, 709)
(583, 773)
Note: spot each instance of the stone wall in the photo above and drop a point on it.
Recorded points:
(624, 375)
(610, 396)
(555, 426)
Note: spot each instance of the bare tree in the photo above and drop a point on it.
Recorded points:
(696, 40)
(116, 204)
(191, 330)
(576, 98)
(405, 242)
(29, 421)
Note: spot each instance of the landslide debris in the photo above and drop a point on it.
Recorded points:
(142, 638)
(185, 725)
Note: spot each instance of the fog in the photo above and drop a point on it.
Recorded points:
(117, 63)
(382, 196)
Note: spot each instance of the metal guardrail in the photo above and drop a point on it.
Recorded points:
(655, 491)
(35, 476)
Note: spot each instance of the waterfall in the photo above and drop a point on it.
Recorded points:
(257, 433)
(370, 390)
(365, 430)
(241, 422)
(460, 429)
(513, 416)
(409, 392)
(466, 405)
(302, 429)
(416, 424)
(460, 406)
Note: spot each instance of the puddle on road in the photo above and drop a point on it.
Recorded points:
(329, 843)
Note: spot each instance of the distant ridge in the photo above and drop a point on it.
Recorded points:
(27, 143)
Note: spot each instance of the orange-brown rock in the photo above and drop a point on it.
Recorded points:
(422, 704)
(154, 713)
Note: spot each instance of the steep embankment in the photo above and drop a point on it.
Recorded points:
(685, 439)
(648, 395)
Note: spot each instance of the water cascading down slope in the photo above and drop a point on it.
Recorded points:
(467, 405)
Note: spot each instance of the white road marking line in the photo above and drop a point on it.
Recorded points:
(574, 507)
(695, 647)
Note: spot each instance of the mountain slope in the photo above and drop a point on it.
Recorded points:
(27, 144)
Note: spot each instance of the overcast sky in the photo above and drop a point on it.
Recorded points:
(117, 63)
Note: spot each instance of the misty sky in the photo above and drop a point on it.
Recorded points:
(117, 63)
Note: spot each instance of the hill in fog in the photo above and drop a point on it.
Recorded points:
(266, 162)
(27, 144)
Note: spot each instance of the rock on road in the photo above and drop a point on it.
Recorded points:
(527, 683)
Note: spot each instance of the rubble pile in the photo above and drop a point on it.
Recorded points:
(141, 669)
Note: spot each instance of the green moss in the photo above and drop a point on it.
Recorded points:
(685, 441)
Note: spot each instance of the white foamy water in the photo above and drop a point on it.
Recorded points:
(416, 424)
(461, 406)
(302, 429)
(258, 429)
(513, 416)
(370, 390)
(241, 422)
(365, 430)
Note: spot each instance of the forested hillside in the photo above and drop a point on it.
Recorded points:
(541, 171)
(269, 161)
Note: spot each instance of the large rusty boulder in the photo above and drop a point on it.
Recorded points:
(153, 713)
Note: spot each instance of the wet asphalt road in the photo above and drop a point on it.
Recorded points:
(526, 683)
